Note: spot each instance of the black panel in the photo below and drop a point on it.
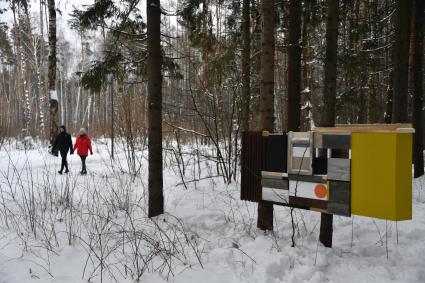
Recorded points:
(307, 202)
(336, 141)
(340, 153)
(320, 166)
(252, 145)
(275, 149)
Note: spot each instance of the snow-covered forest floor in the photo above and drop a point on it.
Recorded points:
(94, 228)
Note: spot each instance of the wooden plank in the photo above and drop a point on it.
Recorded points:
(340, 198)
(339, 192)
(275, 183)
(339, 209)
(273, 175)
(339, 169)
(362, 128)
(307, 178)
(308, 202)
(275, 195)
(319, 210)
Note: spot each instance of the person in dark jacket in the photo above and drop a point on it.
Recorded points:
(83, 146)
(63, 143)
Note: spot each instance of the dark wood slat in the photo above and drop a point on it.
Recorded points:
(306, 178)
(336, 141)
(339, 209)
(275, 183)
(251, 166)
(339, 192)
(297, 201)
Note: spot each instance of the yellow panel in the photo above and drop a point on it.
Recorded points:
(380, 181)
(404, 176)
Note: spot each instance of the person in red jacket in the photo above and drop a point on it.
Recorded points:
(83, 146)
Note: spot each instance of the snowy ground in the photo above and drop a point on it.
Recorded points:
(94, 228)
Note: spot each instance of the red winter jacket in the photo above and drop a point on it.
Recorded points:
(83, 145)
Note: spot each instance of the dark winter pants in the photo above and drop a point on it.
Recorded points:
(83, 162)
(64, 161)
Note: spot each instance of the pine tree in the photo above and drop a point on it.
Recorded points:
(329, 99)
(294, 66)
(417, 75)
(53, 103)
(265, 210)
(401, 60)
(246, 60)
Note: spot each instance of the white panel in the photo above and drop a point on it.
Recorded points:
(275, 195)
(298, 151)
(53, 95)
(297, 143)
(305, 190)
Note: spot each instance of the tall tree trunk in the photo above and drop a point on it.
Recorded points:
(294, 66)
(246, 74)
(52, 71)
(372, 107)
(389, 67)
(265, 210)
(42, 75)
(329, 99)
(156, 196)
(417, 75)
(401, 60)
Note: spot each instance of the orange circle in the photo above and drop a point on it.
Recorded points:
(320, 191)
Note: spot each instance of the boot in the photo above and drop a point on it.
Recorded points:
(60, 172)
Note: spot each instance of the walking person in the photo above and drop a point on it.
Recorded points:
(83, 146)
(63, 144)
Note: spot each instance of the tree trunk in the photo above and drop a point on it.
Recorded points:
(417, 75)
(265, 210)
(246, 74)
(42, 76)
(156, 196)
(52, 71)
(294, 66)
(401, 60)
(329, 99)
